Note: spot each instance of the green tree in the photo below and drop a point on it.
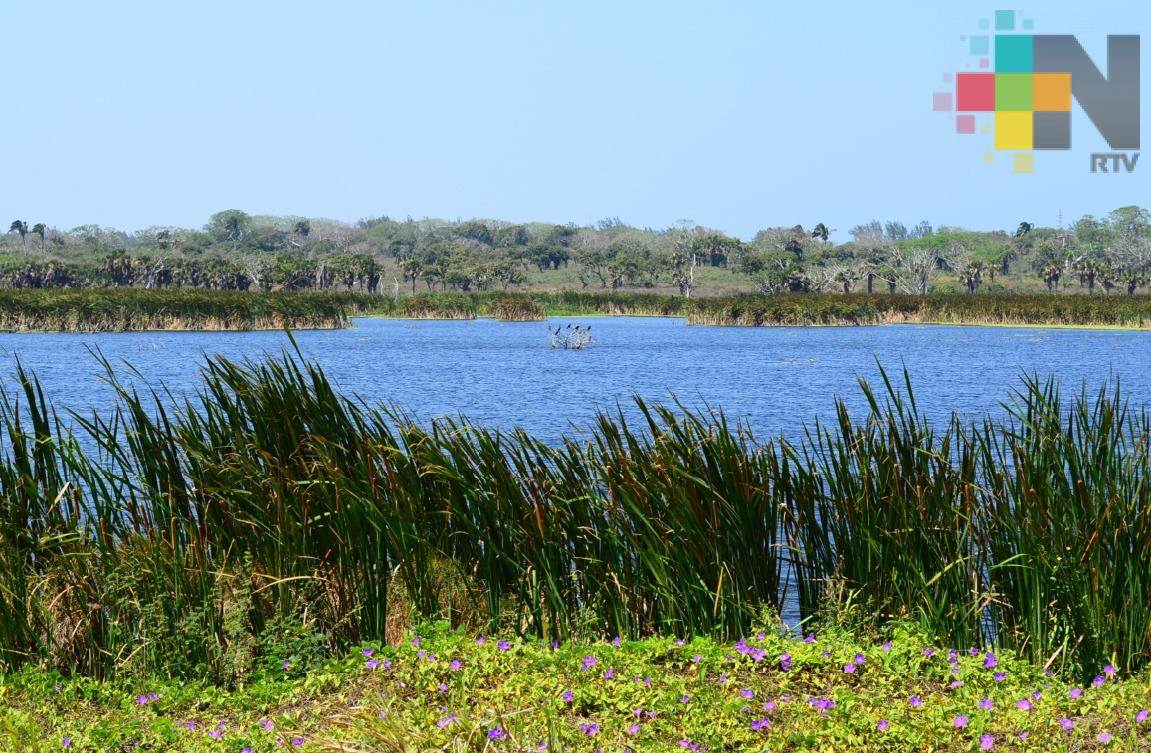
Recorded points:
(40, 229)
(20, 226)
(230, 225)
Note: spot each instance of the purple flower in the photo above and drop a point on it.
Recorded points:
(497, 733)
(769, 705)
(685, 699)
(809, 638)
(455, 665)
(589, 729)
(1104, 737)
(1023, 735)
(785, 662)
(973, 652)
(823, 704)
(1109, 670)
(747, 693)
(503, 645)
(267, 724)
(986, 704)
(567, 696)
(449, 719)
(886, 646)
(368, 652)
(991, 661)
(616, 641)
(1142, 716)
(685, 743)
(960, 721)
(916, 701)
(1075, 693)
(696, 659)
(589, 662)
(1098, 681)
(1000, 676)
(881, 725)
(66, 742)
(297, 741)
(371, 663)
(1066, 724)
(480, 641)
(1023, 704)
(849, 668)
(610, 673)
(633, 729)
(859, 658)
(929, 652)
(215, 734)
(986, 742)
(416, 641)
(286, 665)
(758, 724)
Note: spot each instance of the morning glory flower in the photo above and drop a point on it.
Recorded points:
(986, 742)
(986, 704)
(1066, 724)
(960, 721)
(916, 701)
(881, 725)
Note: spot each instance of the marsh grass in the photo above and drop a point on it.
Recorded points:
(184, 537)
(123, 310)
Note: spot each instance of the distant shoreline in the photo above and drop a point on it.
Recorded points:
(187, 310)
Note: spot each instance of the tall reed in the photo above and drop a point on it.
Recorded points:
(186, 537)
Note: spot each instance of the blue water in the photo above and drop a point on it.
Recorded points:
(506, 375)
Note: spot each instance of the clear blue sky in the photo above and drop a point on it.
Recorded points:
(737, 115)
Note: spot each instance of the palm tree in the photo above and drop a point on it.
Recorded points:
(39, 229)
(411, 268)
(19, 226)
(1024, 229)
(820, 231)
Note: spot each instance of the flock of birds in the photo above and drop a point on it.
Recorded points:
(572, 337)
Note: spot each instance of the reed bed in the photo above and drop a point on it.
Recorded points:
(517, 309)
(177, 537)
(797, 310)
(123, 310)
(948, 308)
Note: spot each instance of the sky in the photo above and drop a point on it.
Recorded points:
(735, 115)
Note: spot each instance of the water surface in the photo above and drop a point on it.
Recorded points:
(505, 374)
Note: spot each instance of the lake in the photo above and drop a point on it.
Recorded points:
(506, 375)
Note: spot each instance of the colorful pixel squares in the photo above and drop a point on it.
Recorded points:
(1030, 107)
(975, 92)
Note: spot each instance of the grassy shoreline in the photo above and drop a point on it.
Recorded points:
(806, 310)
(127, 310)
(120, 310)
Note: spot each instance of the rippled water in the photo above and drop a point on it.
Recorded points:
(506, 375)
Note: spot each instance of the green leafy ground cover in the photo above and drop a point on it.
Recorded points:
(441, 690)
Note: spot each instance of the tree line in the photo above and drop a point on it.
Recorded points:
(238, 251)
